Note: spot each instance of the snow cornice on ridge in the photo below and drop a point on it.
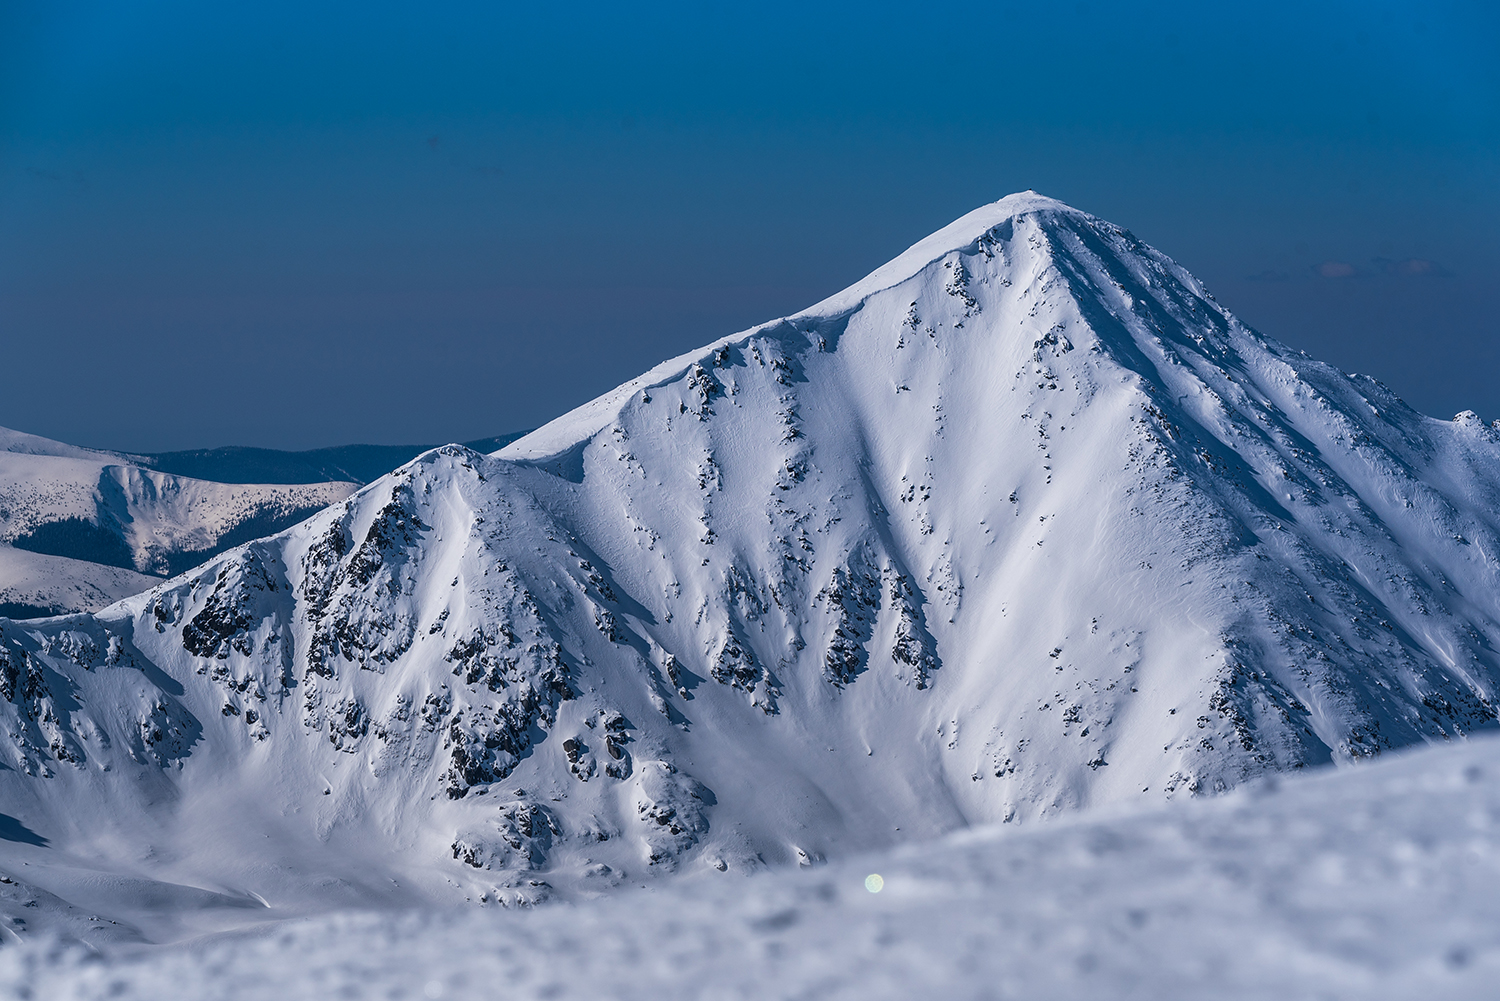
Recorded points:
(580, 424)
(963, 232)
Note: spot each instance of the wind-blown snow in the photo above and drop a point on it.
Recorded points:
(1382, 882)
(1023, 523)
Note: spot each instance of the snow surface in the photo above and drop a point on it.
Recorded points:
(1022, 524)
(57, 583)
(162, 522)
(1376, 882)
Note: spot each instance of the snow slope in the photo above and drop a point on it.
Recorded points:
(1020, 524)
(34, 584)
(80, 528)
(1377, 882)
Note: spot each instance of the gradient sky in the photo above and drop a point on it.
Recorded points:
(301, 224)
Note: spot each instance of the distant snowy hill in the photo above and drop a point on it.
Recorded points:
(81, 528)
(1022, 523)
(37, 584)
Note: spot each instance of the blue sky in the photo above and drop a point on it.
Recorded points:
(304, 224)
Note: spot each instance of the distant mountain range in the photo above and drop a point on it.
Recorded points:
(1022, 523)
(80, 528)
(351, 463)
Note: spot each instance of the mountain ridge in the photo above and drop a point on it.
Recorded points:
(349, 463)
(81, 527)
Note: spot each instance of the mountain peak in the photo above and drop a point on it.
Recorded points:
(1009, 208)
(962, 233)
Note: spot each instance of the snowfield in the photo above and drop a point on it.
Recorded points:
(1376, 882)
(1023, 524)
(34, 584)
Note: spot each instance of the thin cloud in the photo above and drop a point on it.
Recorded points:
(1412, 267)
(1336, 270)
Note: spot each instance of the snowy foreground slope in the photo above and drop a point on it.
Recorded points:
(1376, 882)
(1022, 523)
(80, 528)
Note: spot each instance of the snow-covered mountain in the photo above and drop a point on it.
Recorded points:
(1021, 523)
(80, 528)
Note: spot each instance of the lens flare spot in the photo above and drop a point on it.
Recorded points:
(874, 883)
